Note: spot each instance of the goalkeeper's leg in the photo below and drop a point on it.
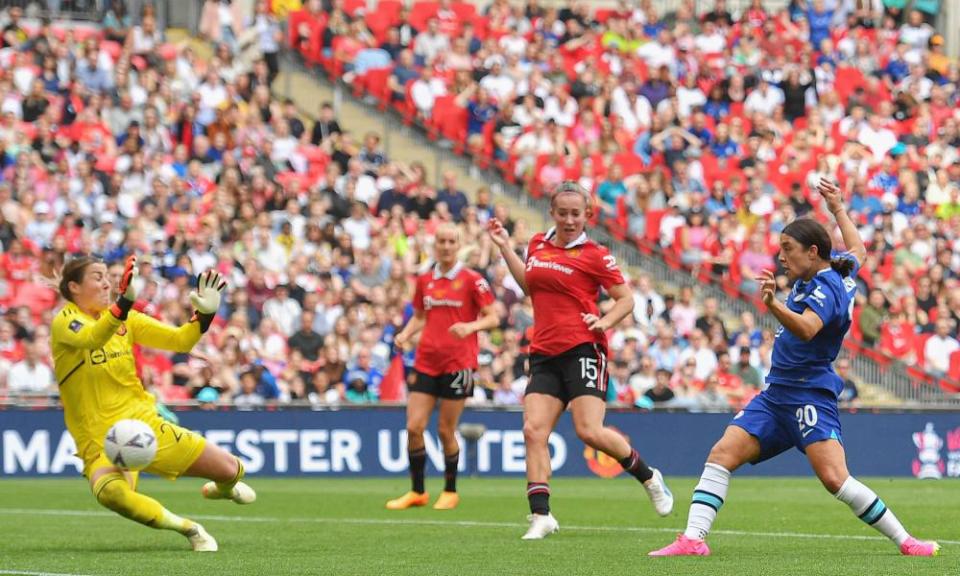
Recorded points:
(226, 472)
(116, 491)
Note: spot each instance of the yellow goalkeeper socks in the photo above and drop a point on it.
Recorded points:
(113, 492)
(226, 488)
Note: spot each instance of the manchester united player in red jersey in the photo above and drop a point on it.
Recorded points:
(447, 302)
(563, 274)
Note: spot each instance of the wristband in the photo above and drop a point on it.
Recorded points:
(121, 308)
(205, 320)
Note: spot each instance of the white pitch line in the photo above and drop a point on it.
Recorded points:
(26, 573)
(459, 523)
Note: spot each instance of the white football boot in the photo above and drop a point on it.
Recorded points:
(200, 540)
(541, 526)
(659, 494)
(241, 493)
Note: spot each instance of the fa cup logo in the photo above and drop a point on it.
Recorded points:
(928, 464)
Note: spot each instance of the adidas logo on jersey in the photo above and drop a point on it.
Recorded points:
(591, 384)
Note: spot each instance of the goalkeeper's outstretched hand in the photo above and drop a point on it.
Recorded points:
(206, 298)
(127, 289)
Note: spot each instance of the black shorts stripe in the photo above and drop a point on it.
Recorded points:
(70, 373)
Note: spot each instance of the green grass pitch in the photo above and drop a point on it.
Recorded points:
(339, 526)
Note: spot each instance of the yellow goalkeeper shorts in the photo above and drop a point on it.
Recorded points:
(177, 450)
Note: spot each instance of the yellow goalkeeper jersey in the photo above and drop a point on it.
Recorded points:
(95, 369)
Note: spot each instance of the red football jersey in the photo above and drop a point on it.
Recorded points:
(565, 283)
(456, 296)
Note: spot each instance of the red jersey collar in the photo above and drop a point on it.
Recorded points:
(580, 240)
(450, 275)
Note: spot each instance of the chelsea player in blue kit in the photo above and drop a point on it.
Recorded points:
(799, 408)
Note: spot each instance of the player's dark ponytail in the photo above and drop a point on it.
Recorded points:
(73, 271)
(808, 232)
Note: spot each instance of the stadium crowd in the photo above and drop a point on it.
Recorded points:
(702, 134)
(696, 131)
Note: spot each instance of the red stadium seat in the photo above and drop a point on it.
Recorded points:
(453, 127)
(651, 234)
(954, 371)
(603, 14)
(441, 108)
(630, 163)
(376, 84)
(848, 79)
(379, 23)
(421, 12)
(351, 6)
(465, 11)
(921, 343)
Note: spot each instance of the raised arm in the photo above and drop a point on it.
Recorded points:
(851, 236)
(804, 326)
(72, 331)
(499, 236)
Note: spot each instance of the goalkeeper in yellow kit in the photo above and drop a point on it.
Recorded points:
(92, 341)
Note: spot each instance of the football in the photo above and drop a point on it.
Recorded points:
(130, 444)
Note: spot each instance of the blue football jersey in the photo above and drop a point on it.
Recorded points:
(810, 364)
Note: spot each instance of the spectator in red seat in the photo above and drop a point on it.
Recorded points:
(722, 146)
(459, 57)
(753, 261)
(551, 174)
(426, 89)
(926, 300)
(660, 392)
(11, 349)
(872, 316)
(144, 39)
(610, 190)
(747, 373)
(849, 394)
(430, 44)
(693, 238)
(717, 106)
(939, 347)
(451, 195)
(684, 314)
(710, 318)
(403, 73)
(897, 336)
(44, 225)
(31, 374)
(560, 107)
(657, 88)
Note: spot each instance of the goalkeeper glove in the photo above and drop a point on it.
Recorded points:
(127, 289)
(206, 298)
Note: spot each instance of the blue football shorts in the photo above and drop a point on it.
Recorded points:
(784, 417)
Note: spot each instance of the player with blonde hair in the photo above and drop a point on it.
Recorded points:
(92, 342)
(451, 304)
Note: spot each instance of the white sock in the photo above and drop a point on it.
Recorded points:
(870, 508)
(708, 497)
